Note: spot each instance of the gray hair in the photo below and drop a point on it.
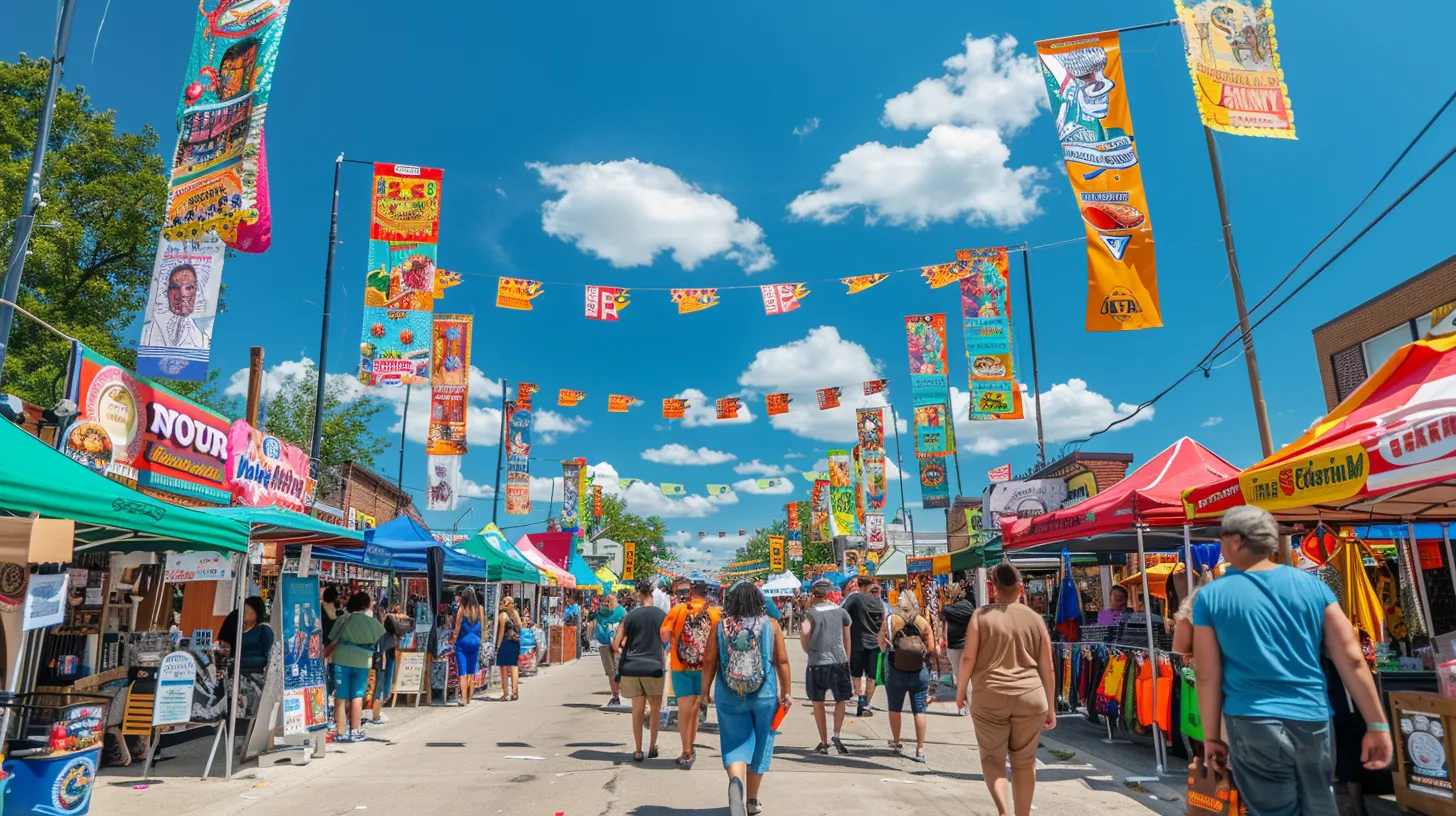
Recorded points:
(1255, 525)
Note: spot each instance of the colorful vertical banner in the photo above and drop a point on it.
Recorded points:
(820, 511)
(857, 453)
(841, 493)
(619, 403)
(567, 398)
(305, 701)
(219, 172)
(728, 407)
(442, 486)
(792, 509)
(516, 293)
(181, 307)
(859, 283)
(629, 561)
(399, 291)
(1234, 61)
(870, 422)
(518, 458)
(931, 428)
(596, 501)
(934, 487)
(694, 300)
(605, 302)
(583, 491)
(828, 398)
(925, 339)
(449, 384)
(872, 387)
(776, 404)
(775, 554)
(1088, 95)
(875, 532)
(876, 480)
(524, 392)
(986, 323)
(570, 487)
(674, 408)
(781, 298)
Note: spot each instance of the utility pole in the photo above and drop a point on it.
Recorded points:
(255, 384)
(1035, 369)
(20, 243)
(323, 360)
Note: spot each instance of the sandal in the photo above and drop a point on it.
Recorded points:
(754, 808)
(652, 752)
(897, 746)
(636, 756)
(822, 748)
(515, 696)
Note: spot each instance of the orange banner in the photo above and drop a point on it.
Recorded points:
(777, 404)
(694, 300)
(524, 392)
(674, 408)
(618, 404)
(1089, 102)
(516, 293)
(944, 274)
(859, 283)
(569, 398)
(728, 407)
(828, 398)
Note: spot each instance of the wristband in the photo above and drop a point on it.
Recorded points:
(1385, 727)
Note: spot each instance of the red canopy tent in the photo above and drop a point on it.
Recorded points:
(1387, 452)
(558, 576)
(1150, 496)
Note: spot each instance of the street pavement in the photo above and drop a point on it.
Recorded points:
(556, 751)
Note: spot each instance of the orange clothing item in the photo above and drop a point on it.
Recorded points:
(1160, 709)
(672, 626)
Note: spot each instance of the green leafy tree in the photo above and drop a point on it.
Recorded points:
(91, 252)
(618, 524)
(347, 432)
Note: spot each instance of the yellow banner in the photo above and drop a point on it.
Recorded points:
(629, 561)
(859, 283)
(1328, 476)
(618, 404)
(1234, 61)
(775, 553)
(674, 408)
(944, 274)
(444, 279)
(568, 398)
(516, 293)
(694, 300)
(1094, 125)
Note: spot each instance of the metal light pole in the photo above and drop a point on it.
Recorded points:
(318, 398)
(21, 240)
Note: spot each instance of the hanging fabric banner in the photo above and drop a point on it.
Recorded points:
(875, 532)
(445, 279)
(1088, 94)
(442, 489)
(768, 484)
(604, 302)
(775, 554)
(570, 496)
(875, 386)
(944, 274)
(524, 392)
(694, 300)
(841, 493)
(181, 307)
(674, 408)
(934, 488)
(792, 510)
(1234, 60)
(623, 484)
(596, 501)
(516, 293)
(670, 489)
(1000, 474)
(776, 404)
(449, 385)
(828, 398)
(986, 323)
(857, 454)
(718, 490)
(815, 475)
(568, 398)
(728, 407)
(931, 423)
(583, 490)
(820, 511)
(925, 337)
(399, 291)
(219, 176)
(629, 561)
(859, 283)
(871, 425)
(618, 403)
(875, 479)
(518, 458)
(780, 298)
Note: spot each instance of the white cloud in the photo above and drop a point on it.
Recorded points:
(821, 358)
(955, 174)
(761, 469)
(1212, 421)
(777, 487)
(625, 212)
(482, 423)
(988, 84)
(793, 455)
(474, 490)
(703, 410)
(547, 426)
(276, 376)
(678, 454)
(810, 125)
(646, 499)
(1069, 411)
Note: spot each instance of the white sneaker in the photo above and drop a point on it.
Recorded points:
(383, 720)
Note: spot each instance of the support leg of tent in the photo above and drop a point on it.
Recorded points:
(241, 579)
(1450, 562)
(1415, 559)
(1188, 558)
(1153, 656)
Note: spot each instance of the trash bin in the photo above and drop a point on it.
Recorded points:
(55, 785)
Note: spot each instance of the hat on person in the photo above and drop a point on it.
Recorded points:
(823, 585)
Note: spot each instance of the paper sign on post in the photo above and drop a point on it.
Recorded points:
(197, 566)
(45, 601)
(175, 678)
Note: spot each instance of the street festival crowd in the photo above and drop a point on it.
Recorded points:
(1256, 638)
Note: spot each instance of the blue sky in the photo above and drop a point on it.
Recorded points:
(735, 114)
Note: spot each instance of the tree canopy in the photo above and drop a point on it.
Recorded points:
(618, 524)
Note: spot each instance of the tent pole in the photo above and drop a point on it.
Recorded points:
(240, 586)
(1415, 559)
(1188, 557)
(1446, 540)
(1152, 651)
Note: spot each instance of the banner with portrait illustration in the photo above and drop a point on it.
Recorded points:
(442, 482)
(875, 479)
(304, 699)
(870, 422)
(219, 178)
(820, 511)
(925, 339)
(181, 307)
(986, 324)
(399, 290)
(570, 496)
(1234, 62)
(1088, 94)
(449, 384)
(841, 494)
(518, 458)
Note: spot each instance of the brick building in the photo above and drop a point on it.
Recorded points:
(1086, 474)
(1352, 346)
(361, 498)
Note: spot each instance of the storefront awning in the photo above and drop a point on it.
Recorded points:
(289, 527)
(36, 478)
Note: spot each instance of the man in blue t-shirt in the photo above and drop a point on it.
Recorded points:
(1258, 634)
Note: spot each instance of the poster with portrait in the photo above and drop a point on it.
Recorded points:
(303, 661)
(180, 309)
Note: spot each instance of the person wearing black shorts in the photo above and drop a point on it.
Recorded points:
(866, 615)
(825, 638)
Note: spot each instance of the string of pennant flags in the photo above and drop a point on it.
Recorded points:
(775, 404)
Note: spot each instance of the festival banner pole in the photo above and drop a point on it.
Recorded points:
(1035, 373)
(499, 453)
(323, 360)
(900, 465)
(403, 427)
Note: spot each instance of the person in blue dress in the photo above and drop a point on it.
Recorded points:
(469, 622)
(747, 657)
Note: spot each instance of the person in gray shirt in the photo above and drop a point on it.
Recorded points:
(824, 636)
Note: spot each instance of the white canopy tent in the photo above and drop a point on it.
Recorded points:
(785, 583)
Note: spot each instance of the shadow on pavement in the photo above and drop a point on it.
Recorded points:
(660, 810)
(807, 756)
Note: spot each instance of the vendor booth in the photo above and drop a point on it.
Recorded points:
(552, 602)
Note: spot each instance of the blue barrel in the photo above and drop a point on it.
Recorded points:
(53, 786)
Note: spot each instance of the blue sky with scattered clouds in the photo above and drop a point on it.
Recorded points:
(681, 145)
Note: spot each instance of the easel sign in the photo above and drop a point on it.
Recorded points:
(409, 676)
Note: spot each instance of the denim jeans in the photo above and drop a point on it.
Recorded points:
(1282, 767)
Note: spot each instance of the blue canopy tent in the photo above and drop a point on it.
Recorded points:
(456, 564)
(585, 578)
